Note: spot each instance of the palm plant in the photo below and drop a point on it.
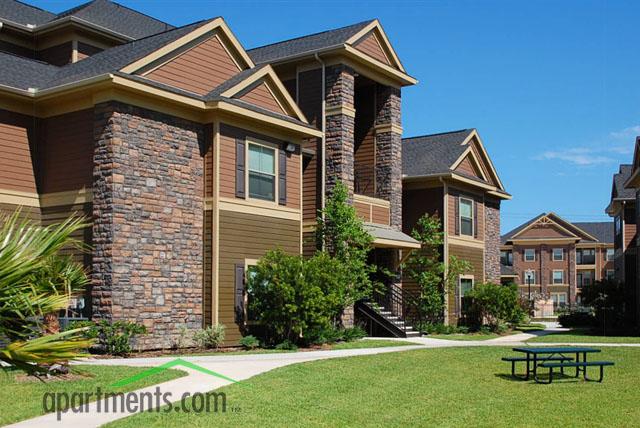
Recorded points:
(25, 249)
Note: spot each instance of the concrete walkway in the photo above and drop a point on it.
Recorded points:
(242, 367)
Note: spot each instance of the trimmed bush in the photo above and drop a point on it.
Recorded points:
(495, 305)
(211, 337)
(249, 342)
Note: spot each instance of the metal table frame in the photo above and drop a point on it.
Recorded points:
(542, 354)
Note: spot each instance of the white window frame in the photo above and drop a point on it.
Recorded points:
(460, 199)
(553, 254)
(460, 278)
(557, 296)
(276, 166)
(535, 277)
(525, 254)
(608, 251)
(553, 277)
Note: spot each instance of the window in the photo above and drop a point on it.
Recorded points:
(618, 225)
(586, 256)
(610, 274)
(558, 254)
(525, 277)
(558, 277)
(262, 172)
(466, 216)
(610, 254)
(559, 300)
(466, 284)
(506, 258)
(529, 255)
(585, 278)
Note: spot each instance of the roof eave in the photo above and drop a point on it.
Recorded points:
(67, 20)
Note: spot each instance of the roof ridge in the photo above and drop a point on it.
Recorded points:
(311, 35)
(439, 133)
(72, 10)
(91, 2)
(34, 7)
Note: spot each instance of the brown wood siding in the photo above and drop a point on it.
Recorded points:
(485, 168)
(363, 211)
(31, 213)
(543, 231)
(370, 46)
(467, 167)
(629, 234)
(266, 233)
(207, 292)
(209, 156)
(228, 135)
(310, 183)
(380, 215)
(17, 144)
(476, 258)
(199, 69)
(309, 247)
(57, 55)
(261, 96)
(417, 202)
(85, 50)
(66, 152)
(452, 199)
(291, 85)
(364, 140)
(58, 214)
(310, 96)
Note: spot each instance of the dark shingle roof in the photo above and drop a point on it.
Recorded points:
(504, 238)
(24, 73)
(601, 230)
(244, 74)
(432, 154)
(306, 44)
(618, 181)
(104, 13)
(24, 14)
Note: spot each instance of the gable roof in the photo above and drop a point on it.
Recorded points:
(619, 191)
(601, 232)
(633, 181)
(102, 13)
(433, 154)
(306, 44)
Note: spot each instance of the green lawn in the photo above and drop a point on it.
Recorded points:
(431, 387)
(583, 336)
(21, 400)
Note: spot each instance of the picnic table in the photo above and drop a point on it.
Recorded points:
(556, 357)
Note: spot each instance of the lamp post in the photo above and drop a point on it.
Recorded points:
(529, 275)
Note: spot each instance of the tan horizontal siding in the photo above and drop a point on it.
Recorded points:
(17, 145)
(199, 69)
(453, 200)
(370, 46)
(266, 233)
(58, 214)
(310, 184)
(31, 213)
(380, 215)
(475, 256)
(363, 211)
(468, 168)
(262, 97)
(207, 292)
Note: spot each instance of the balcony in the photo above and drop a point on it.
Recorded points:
(372, 210)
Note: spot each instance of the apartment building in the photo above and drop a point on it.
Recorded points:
(550, 257)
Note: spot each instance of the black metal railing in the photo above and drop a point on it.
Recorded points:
(401, 303)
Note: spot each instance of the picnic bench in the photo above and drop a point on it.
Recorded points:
(556, 358)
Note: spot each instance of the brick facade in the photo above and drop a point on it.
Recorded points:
(492, 241)
(388, 167)
(148, 221)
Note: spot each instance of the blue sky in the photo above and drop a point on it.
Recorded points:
(552, 86)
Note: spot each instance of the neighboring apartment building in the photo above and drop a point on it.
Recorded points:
(630, 245)
(451, 174)
(177, 144)
(562, 256)
(173, 143)
(622, 208)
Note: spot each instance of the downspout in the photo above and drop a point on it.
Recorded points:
(445, 251)
(323, 140)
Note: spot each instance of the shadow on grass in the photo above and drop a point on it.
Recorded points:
(565, 378)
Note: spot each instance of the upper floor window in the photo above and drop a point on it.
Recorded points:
(262, 172)
(506, 258)
(466, 216)
(529, 255)
(586, 256)
(610, 254)
(584, 278)
(558, 277)
(529, 277)
(558, 254)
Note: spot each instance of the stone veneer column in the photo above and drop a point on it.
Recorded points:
(340, 125)
(148, 221)
(492, 241)
(389, 150)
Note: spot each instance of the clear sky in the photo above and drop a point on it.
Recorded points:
(553, 87)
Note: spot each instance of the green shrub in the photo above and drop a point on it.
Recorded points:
(249, 342)
(322, 335)
(494, 304)
(114, 338)
(286, 345)
(440, 328)
(577, 319)
(211, 337)
(353, 333)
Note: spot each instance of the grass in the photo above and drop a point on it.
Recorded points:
(467, 336)
(373, 343)
(432, 387)
(583, 336)
(23, 399)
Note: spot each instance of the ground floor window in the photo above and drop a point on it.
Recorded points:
(610, 275)
(559, 300)
(585, 278)
(465, 285)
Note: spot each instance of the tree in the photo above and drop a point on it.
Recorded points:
(607, 298)
(495, 304)
(344, 237)
(427, 268)
(25, 248)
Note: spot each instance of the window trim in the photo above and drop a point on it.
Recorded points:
(553, 254)
(473, 284)
(553, 279)
(525, 254)
(535, 277)
(460, 199)
(559, 293)
(606, 254)
(276, 167)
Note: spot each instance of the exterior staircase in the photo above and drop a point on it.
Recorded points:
(393, 312)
